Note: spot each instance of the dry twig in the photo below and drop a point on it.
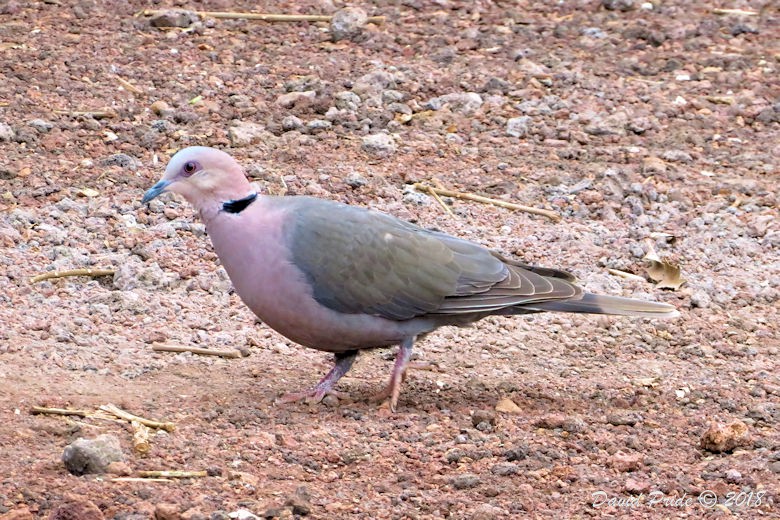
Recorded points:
(172, 474)
(486, 200)
(127, 416)
(129, 86)
(735, 11)
(627, 276)
(141, 438)
(60, 411)
(73, 272)
(263, 17)
(94, 114)
(140, 479)
(164, 347)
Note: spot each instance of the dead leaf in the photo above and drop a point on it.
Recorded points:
(664, 273)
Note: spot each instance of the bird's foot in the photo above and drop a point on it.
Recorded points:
(324, 388)
(312, 396)
(393, 389)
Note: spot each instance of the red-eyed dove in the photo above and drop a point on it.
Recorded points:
(342, 279)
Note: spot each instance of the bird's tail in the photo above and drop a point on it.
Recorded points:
(602, 304)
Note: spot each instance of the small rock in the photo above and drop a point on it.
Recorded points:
(625, 462)
(518, 452)
(121, 160)
(725, 437)
(300, 501)
(161, 108)
(165, 511)
(518, 126)
(483, 416)
(379, 145)
(347, 23)
(412, 196)
(291, 98)
(77, 510)
(619, 5)
(355, 180)
(85, 456)
(551, 421)
(373, 83)
(637, 486)
(487, 512)
(700, 299)
(6, 132)
(733, 476)
(347, 100)
(318, 125)
(774, 467)
(505, 469)
(677, 156)
(574, 425)
(19, 513)
(506, 405)
(174, 18)
(41, 125)
(460, 102)
(290, 123)
(245, 134)
(623, 419)
(465, 481)
(614, 124)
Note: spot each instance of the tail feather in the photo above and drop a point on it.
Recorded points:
(603, 304)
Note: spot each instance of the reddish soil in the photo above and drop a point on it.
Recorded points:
(653, 123)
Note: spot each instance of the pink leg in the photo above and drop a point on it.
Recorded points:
(314, 395)
(393, 389)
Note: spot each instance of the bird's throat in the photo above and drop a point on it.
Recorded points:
(238, 205)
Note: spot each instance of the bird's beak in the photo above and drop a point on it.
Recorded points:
(155, 190)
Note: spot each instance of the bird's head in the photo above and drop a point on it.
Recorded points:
(206, 177)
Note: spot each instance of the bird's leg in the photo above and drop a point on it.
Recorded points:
(393, 389)
(343, 363)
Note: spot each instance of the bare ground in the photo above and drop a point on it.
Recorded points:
(638, 126)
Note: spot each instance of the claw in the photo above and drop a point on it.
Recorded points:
(393, 389)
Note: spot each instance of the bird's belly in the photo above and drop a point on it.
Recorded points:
(278, 293)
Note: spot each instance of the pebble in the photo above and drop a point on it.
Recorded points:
(614, 124)
(347, 100)
(459, 102)
(379, 145)
(76, 510)
(41, 125)
(519, 452)
(726, 437)
(347, 23)
(174, 18)
(121, 160)
(506, 405)
(355, 180)
(412, 196)
(483, 416)
(505, 469)
(289, 99)
(619, 5)
(318, 125)
(85, 456)
(290, 123)
(774, 467)
(465, 481)
(6, 132)
(623, 419)
(518, 126)
(300, 501)
(245, 133)
(487, 512)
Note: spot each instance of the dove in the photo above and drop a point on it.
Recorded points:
(342, 279)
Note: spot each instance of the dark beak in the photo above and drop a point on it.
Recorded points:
(155, 190)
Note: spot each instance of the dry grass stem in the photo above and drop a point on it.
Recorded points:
(627, 276)
(94, 114)
(127, 416)
(164, 347)
(140, 479)
(74, 272)
(60, 411)
(141, 438)
(172, 474)
(129, 86)
(487, 200)
(735, 11)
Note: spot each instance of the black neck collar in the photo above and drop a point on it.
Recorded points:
(238, 205)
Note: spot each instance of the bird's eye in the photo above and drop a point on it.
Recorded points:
(189, 168)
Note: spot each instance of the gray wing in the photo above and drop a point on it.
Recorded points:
(363, 261)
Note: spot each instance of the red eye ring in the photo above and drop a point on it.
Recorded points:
(189, 167)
